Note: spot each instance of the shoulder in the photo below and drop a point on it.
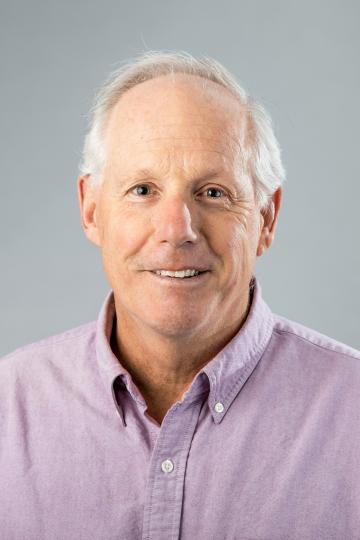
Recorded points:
(56, 349)
(305, 340)
(312, 365)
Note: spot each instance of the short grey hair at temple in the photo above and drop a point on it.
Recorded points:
(263, 157)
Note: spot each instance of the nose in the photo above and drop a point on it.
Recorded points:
(175, 222)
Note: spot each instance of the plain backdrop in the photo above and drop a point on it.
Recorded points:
(299, 59)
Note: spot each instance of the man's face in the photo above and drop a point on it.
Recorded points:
(175, 196)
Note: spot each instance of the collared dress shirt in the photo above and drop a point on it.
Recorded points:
(264, 444)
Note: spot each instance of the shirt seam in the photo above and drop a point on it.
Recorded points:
(308, 340)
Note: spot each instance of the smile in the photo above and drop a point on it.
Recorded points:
(178, 273)
(182, 278)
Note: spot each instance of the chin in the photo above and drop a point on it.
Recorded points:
(175, 326)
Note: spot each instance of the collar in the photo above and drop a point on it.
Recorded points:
(221, 378)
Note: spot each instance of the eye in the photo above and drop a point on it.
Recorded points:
(142, 190)
(214, 193)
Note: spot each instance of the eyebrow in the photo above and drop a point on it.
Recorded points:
(142, 174)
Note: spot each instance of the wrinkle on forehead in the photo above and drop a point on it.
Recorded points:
(184, 157)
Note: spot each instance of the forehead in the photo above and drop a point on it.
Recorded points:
(176, 118)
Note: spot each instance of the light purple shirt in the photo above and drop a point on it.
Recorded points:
(265, 444)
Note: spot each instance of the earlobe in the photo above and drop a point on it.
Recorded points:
(265, 241)
(88, 201)
(270, 217)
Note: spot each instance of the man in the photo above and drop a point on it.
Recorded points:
(188, 410)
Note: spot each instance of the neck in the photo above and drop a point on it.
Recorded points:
(163, 368)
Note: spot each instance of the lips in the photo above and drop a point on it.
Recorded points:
(180, 269)
(179, 276)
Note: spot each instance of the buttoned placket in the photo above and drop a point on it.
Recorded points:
(165, 487)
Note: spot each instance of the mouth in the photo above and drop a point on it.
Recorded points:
(180, 277)
(185, 273)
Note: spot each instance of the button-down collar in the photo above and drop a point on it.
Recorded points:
(222, 378)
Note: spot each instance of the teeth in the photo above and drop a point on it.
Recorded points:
(178, 274)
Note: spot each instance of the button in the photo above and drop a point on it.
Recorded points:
(167, 466)
(219, 407)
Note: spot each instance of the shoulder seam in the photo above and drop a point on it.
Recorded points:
(346, 354)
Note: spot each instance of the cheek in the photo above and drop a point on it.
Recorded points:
(124, 235)
(237, 246)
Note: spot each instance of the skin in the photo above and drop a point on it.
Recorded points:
(175, 194)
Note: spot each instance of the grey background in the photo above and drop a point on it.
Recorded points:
(301, 59)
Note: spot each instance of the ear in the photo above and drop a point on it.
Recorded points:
(269, 218)
(88, 201)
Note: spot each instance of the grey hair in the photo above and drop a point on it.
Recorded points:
(263, 161)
